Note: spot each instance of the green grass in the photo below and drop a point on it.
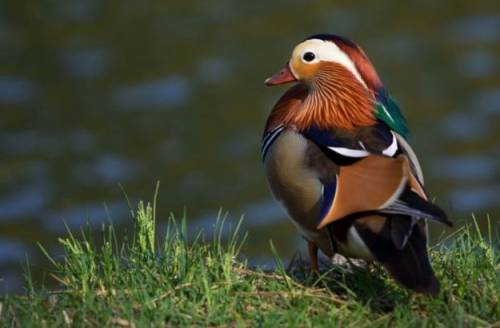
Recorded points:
(174, 281)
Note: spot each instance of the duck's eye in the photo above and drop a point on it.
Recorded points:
(308, 56)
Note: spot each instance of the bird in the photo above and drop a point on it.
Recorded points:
(336, 156)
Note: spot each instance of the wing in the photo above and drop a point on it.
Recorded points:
(345, 148)
(375, 175)
(406, 260)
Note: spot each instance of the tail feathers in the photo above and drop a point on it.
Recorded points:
(406, 261)
(411, 204)
(401, 230)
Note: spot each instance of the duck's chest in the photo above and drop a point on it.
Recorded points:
(297, 170)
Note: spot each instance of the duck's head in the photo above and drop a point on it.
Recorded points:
(337, 85)
(326, 56)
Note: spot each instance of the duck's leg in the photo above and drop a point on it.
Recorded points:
(313, 256)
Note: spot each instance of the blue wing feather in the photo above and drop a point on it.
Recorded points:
(327, 200)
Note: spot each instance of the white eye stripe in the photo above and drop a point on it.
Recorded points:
(327, 51)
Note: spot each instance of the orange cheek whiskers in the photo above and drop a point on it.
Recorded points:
(335, 99)
(332, 99)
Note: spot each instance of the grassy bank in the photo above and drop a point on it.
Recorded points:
(145, 281)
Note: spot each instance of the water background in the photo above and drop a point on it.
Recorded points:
(96, 94)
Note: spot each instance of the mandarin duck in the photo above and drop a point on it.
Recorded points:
(336, 157)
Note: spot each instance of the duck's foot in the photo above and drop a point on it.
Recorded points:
(369, 266)
(313, 256)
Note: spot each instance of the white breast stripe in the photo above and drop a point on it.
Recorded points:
(393, 148)
(268, 140)
(270, 136)
(350, 152)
